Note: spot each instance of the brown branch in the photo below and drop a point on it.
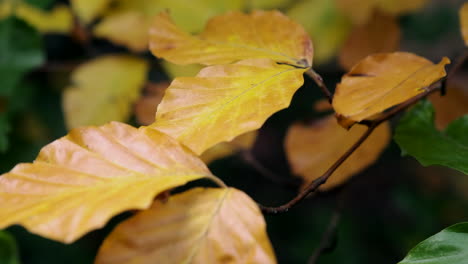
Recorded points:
(327, 237)
(319, 81)
(371, 125)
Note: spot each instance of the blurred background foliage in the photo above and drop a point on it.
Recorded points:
(383, 212)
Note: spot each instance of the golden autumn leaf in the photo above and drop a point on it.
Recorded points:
(224, 149)
(325, 23)
(145, 107)
(77, 183)
(57, 20)
(381, 81)
(204, 226)
(224, 101)
(104, 90)
(463, 13)
(380, 34)
(88, 10)
(312, 149)
(134, 18)
(232, 37)
(360, 11)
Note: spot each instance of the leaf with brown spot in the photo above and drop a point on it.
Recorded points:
(312, 149)
(381, 81)
(380, 34)
(78, 182)
(200, 226)
(232, 37)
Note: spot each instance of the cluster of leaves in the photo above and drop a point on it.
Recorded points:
(249, 67)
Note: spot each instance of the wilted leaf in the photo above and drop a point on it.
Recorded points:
(453, 104)
(360, 11)
(77, 183)
(57, 20)
(88, 10)
(145, 107)
(224, 101)
(8, 250)
(380, 34)
(198, 226)
(20, 52)
(464, 22)
(381, 81)
(104, 90)
(134, 18)
(232, 37)
(417, 136)
(325, 23)
(450, 246)
(312, 149)
(224, 149)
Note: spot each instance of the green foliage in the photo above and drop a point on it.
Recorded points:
(445, 247)
(44, 4)
(418, 137)
(20, 51)
(8, 250)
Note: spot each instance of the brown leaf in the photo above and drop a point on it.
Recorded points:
(381, 81)
(204, 226)
(312, 149)
(380, 34)
(145, 107)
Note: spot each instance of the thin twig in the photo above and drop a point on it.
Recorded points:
(371, 125)
(327, 237)
(319, 81)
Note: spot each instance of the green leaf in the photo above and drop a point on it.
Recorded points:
(20, 51)
(44, 4)
(8, 250)
(450, 246)
(417, 136)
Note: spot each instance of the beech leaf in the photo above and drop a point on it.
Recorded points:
(380, 34)
(312, 149)
(232, 37)
(417, 136)
(145, 107)
(381, 81)
(104, 90)
(224, 149)
(449, 246)
(463, 13)
(57, 20)
(224, 101)
(88, 10)
(197, 226)
(77, 183)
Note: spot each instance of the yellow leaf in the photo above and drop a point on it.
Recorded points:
(380, 34)
(78, 182)
(326, 25)
(200, 226)
(232, 37)
(360, 11)
(312, 149)
(57, 20)
(175, 70)
(381, 81)
(129, 29)
(224, 149)
(463, 13)
(134, 18)
(88, 10)
(104, 90)
(224, 101)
